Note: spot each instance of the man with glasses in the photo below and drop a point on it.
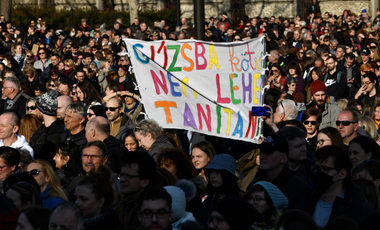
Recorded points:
(368, 93)
(319, 100)
(9, 126)
(366, 55)
(155, 209)
(274, 152)
(335, 80)
(137, 172)
(94, 154)
(13, 96)
(98, 129)
(334, 193)
(347, 125)
(116, 117)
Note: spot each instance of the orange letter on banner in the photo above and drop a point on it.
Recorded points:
(166, 105)
(187, 46)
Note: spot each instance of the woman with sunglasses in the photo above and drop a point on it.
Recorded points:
(329, 136)
(292, 83)
(43, 59)
(269, 201)
(87, 94)
(52, 193)
(311, 118)
(52, 84)
(277, 77)
(69, 70)
(95, 196)
(96, 110)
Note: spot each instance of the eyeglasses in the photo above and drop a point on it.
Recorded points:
(68, 47)
(90, 114)
(310, 122)
(373, 47)
(126, 176)
(344, 123)
(109, 61)
(6, 87)
(73, 93)
(41, 53)
(283, 108)
(1, 167)
(148, 214)
(255, 199)
(301, 52)
(293, 84)
(215, 220)
(34, 172)
(85, 156)
(33, 107)
(323, 168)
(367, 83)
(112, 109)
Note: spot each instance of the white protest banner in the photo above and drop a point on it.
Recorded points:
(201, 86)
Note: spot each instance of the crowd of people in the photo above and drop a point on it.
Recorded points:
(76, 150)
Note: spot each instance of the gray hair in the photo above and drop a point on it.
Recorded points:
(342, 47)
(79, 109)
(334, 41)
(312, 53)
(149, 126)
(94, 64)
(70, 207)
(291, 111)
(275, 54)
(14, 81)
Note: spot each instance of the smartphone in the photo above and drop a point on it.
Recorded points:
(260, 111)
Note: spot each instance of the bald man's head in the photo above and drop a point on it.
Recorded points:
(63, 102)
(97, 129)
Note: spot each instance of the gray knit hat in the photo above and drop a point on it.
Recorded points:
(47, 103)
(278, 198)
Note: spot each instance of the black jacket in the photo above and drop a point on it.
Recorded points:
(79, 139)
(115, 152)
(159, 145)
(18, 103)
(353, 205)
(44, 141)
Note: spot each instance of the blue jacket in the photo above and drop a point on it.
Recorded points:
(49, 201)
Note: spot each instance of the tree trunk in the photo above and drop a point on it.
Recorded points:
(133, 10)
(5, 9)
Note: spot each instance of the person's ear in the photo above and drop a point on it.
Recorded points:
(105, 159)
(356, 126)
(342, 174)
(16, 128)
(101, 202)
(144, 183)
(283, 158)
(377, 182)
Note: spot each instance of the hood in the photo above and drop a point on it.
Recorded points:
(187, 217)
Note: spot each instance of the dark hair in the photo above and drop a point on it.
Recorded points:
(340, 158)
(307, 44)
(369, 145)
(293, 65)
(70, 149)
(37, 217)
(290, 133)
(370, 192)
(371, 165)
(334, 135)
(179, 159)
(70, 207)
(155, 192)
(100, 145)
(276, 65)
(292, 123)
(296, 219)
(228, 187)
(113, 86)
(164, 178)
(89, 91)
(342, 222)
(373, 78)
(147, 165)
(10, 155)
(206, 147)
(28, 193)
(99, 110)
(101, 185)
(267, 217)
(311, 112)
(355, 102)
(128, 133)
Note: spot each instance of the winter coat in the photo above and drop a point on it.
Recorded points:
(162, 143)
(20, 143)
(329, 115)
(18, 103)
(353, 206)
(115, 152)
(187, 217)
(41, 66)
(107, 220)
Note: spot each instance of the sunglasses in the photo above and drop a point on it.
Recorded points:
(122, 60)
(90, 114)
(41, 53)
(112, 109)
(33, 107)
(344, 123)
(28, 56)
(52, 85)
(67, 65)
(308, 122)
(68, 47)
(34, 172)
(274, 70)
(73, 93)
(373, 47)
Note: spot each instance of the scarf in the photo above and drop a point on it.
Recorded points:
(68, 72)
(128, 202)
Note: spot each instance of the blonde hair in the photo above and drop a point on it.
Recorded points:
(70, 62)
(342, 103)
(55, 185)
(369, 126)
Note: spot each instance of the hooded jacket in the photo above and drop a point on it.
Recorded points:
(20, 143)
(160, 144)
(329, 114)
